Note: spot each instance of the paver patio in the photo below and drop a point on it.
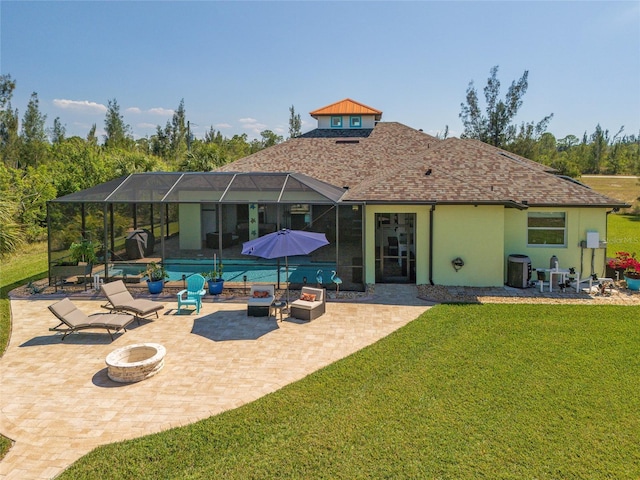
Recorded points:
(57, 402)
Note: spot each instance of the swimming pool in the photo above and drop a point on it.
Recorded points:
(256, 270)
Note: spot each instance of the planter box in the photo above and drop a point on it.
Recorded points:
(59, 273)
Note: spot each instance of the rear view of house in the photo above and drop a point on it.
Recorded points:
(396, 204)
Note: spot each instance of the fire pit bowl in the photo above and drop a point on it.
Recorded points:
(134, 363)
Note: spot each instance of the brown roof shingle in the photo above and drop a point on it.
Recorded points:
(390, 166)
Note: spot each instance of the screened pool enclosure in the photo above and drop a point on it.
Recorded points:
(183, 220)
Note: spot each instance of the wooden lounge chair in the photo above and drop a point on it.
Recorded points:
(73, 320)
(311, 304)
(120, 300)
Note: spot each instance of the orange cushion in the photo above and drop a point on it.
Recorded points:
(308, 297)
(261, 293)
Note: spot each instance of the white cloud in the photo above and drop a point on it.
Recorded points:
(223, 125)
(252, 125)
(146, 125)
(133, 110)
(160, 111)
(80, 105)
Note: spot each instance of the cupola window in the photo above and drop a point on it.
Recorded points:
(336, 122)
(355, 121)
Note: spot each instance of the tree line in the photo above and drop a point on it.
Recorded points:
(597, 153)
(40, 163)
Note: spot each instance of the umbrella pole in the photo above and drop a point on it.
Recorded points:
(278, 274)
(286, 268)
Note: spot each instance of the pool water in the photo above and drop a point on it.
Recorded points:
(256, 270)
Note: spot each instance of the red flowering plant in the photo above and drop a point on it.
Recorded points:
(627, 262)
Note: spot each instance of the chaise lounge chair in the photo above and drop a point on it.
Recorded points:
(73, 320)
(120, 300)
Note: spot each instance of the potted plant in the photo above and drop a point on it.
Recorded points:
(83, 251)
(630, 267)
(156, 275)
(214, 279)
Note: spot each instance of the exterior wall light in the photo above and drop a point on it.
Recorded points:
(457, 263)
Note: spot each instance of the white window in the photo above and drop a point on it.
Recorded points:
(546, 228)
(336, 122)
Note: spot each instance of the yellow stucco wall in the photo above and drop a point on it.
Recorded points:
(475, 234)
(459, 231)
(579, 222)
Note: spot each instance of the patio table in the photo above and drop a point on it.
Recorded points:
(278, 306)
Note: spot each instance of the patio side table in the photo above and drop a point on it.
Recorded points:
(277, 307)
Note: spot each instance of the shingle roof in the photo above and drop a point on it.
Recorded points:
(390, 166)
(347, 107)
(338, 133)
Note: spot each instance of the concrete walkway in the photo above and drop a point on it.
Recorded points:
(57, 402)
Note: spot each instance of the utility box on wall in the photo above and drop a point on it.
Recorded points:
(593, 240)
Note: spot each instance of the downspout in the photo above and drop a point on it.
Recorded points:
(433, 207)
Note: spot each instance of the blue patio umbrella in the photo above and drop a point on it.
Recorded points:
(285, 243)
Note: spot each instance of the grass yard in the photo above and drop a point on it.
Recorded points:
(625, 188)
(465, 391)
(623, 234)
(30, 263)
(623, 228)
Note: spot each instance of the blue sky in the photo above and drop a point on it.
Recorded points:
(240, 65)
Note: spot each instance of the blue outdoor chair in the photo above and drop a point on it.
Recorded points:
(193, 294)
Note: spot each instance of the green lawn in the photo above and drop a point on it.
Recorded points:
(28, 264)
(623, 234)
(464, 392)
(622, 187)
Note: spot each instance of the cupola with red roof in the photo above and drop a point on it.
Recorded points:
(346, 114)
